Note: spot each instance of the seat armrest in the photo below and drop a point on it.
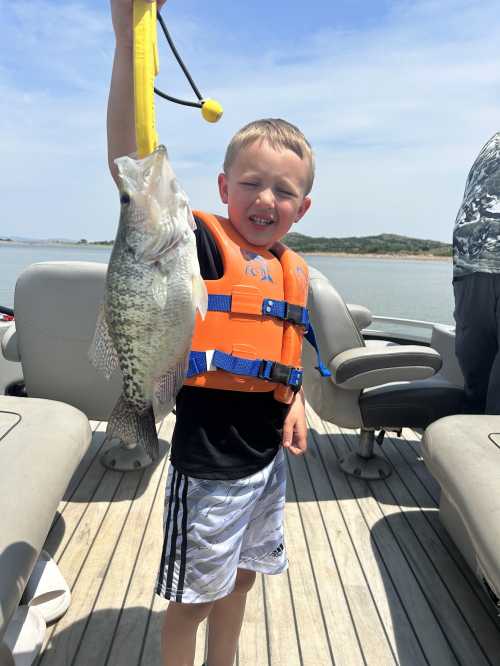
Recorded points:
(364, 367)
(362, 316)
(9, 344)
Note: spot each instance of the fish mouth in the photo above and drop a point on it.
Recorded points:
(144, 174)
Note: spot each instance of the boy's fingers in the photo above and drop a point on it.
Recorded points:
(287, 436)
(299, 443)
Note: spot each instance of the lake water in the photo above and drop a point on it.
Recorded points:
(411, 289)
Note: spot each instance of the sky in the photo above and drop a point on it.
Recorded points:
(396, 98)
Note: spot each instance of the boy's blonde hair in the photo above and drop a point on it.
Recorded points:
(277, 133)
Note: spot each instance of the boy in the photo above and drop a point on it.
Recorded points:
(226, 487)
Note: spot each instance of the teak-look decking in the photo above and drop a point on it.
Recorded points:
(373, 577)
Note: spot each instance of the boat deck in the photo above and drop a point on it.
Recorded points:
(373, 577)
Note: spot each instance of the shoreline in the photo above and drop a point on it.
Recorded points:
(348, 255)
(370, 255)
(88, 246)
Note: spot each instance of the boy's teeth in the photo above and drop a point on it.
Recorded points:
(260, 220)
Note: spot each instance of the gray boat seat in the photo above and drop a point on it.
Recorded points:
(41, 445)
(463, 454)
(56, 306)
(372, 387)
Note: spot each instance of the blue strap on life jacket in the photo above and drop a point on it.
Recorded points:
(311, 338)
(272, 371)
(270, 307)
(287, 311)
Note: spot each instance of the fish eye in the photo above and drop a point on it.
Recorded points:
(125, 198)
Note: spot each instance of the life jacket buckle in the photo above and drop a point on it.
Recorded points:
(281, 374)
(296, 314)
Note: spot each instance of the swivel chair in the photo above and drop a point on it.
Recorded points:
(371, 387)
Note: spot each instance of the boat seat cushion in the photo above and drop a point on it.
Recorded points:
(56, 305)
(41, 445)
(364, 367)
(463, 454)
(413, 404)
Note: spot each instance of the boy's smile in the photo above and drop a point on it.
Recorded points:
(265, 192)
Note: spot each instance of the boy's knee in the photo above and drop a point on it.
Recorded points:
(244, 581)
(190, 612)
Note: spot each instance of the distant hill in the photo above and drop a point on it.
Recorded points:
(381, 244)
(52, 241)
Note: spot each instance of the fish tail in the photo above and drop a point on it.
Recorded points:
(133, 426)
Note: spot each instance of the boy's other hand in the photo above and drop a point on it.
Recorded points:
(295, 426)
(121, 15)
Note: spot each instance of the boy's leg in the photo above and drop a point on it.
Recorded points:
(225, 620)
(204, 523)
(178, 637)
(262, 551)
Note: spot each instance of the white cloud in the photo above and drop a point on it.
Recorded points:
(396, 115)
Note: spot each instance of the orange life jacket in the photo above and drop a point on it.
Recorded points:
(251, 337)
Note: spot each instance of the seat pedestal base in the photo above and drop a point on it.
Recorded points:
(124, 459)
(365, 464)
(371, 469)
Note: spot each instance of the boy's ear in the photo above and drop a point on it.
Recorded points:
(304, 207)
(222, 181)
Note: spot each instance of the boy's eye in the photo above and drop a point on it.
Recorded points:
(248, 184)
(286, 193)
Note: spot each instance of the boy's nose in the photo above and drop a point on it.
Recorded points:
(266, 196)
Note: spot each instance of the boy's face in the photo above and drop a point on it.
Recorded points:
(264, 191)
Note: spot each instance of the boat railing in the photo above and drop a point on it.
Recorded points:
(399, 328)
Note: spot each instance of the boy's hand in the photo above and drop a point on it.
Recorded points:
(121, 15)
(295, 426)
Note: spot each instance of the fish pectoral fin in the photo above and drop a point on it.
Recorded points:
(160, 289)
(102, 353)
(167, 387)
(200, 295)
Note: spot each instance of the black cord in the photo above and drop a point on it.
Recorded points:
(176, 99)
(182, 66)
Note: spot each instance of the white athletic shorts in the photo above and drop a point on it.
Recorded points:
(213, 527)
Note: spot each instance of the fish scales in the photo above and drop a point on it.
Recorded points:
(153, 287)
(147, 337)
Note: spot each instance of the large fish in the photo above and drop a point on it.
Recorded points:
(153, 288)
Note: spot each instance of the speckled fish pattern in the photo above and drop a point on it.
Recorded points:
(147, 320)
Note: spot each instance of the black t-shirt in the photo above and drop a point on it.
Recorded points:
(223, 434)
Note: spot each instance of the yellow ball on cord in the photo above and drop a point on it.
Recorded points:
(211, 110)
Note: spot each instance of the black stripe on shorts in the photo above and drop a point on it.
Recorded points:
(165, 537)
(175, 529)
(182, 569)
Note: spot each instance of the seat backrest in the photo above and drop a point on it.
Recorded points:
(335, 332)
(56, 306)
(443, 341)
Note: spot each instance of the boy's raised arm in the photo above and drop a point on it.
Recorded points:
(120, 121)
